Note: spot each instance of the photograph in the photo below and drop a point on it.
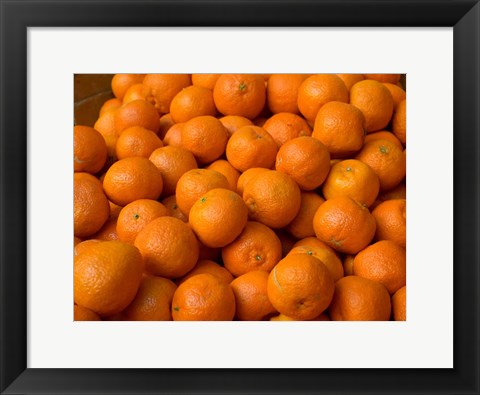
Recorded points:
(246, 197)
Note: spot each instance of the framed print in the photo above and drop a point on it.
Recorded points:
(44, 44)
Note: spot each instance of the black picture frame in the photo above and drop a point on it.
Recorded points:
(18, 15)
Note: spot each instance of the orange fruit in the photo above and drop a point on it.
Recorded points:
(240, 94)
(234, 122)
(160, 89)
(272, 198)
(348, 265)
(107, 276)
(354, 179)
(385, 262)
(306, 160)
(399, 122)
(385, 135)
(205, 137)
(203, 297)
(152, 301)
(313, 242)
(163, 243)
(246, 176)
(76, 241)
(375, 101)
(344, 224)
(302, 224)
(131, 179)
(387, 160)
(136, 215)
(207, 266)
(90, 205)
(218, 217)
(166, 123)
(105, 125)
(108, 231)
(398, 94)
(326, 256)
(114, 210)
(282, 92)
(351, 79)
(251, 299)
(205, 80)
(391, 78)
(286, 126)
(84, 245)
(318, 90)
(224, 167)
(340, 127)
(110, 104)
(251, 146)
(256, 248)
(195, 183)
(390, 216)
(83, 314)
(173, 136)
(135, 92)
(136, 113)
(172, 162)
(121, 82)
(137, 141)
(89, 149)
(283, 317)
(300, 287)
(399, 304)
(173, 210)
(192, 102)
(359, 299)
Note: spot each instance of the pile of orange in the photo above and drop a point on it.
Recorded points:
(243, 197)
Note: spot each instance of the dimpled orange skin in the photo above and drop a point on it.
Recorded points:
(137, 141)
(205, 137)
(234, 122)
(90, 205)
(344, 224)
(385, 262)
(306, 160)
(399, 122)
(351, 79)
(131, 179)
(173, 210)
(122, 82)
(218, 217)
(246, 176)
(385, 135)
(89, 149)
(272, 198)
(302, 224)
(340, 127)
(375, 101)
(107, 276)
(399, 304)
(387, 160)
(251, 299)
(391, 78)
(286, 126)
(390, 216)
(205, 80)
(173, 162)
(196, 182)
(203, 297)
(152, 301)
(300, 287)
(163, 246)
(240, 94)
(326, 256)
(136, 113)
(251, 146)
(282, 92)
(318, 90)
(136, 215)
(398, 94)
(256, 248)
(354, 179)
(207, 266)
(359, 299)
(192, 102)
(224, 167)
(83, 314)
(160, 89)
